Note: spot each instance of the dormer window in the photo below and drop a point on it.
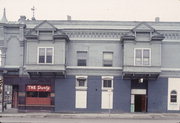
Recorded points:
(143, 36)
(45, 33)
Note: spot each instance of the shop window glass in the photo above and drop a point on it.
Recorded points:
(38, 94)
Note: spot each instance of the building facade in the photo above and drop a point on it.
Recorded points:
(91, 66)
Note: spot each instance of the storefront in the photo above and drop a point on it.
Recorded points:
(38, 95)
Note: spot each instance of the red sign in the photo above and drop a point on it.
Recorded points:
(44, 88)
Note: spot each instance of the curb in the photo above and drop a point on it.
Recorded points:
(90, 116)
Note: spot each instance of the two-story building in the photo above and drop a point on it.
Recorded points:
(91, 66)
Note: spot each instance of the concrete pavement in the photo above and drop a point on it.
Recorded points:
(10, 112)
(95, 115)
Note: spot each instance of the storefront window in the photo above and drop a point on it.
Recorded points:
(38, 95)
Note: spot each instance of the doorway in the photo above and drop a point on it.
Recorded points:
(139, 100)
(15, 96)
(140, 103)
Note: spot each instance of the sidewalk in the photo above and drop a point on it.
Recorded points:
(95, 115)
(10, 112)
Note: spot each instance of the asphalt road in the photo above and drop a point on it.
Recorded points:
(60, 120)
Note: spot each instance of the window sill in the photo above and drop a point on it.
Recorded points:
(107, 89)
(173, 103)
(81, 88)
(45, 63)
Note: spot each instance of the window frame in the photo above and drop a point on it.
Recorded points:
(176, 98)
(107, 78)
(142, 56)
(77, 82)
(86, 59)
(103, 60)
(45, 58)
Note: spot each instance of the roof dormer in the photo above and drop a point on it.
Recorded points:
(143, 32)
(45, 31)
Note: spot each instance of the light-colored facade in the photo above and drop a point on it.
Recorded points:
(91, 66)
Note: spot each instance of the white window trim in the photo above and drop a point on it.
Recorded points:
(86, 57)
(142, 57)
(103, 58)
(107, 78)
(81, 88)
(45, 55)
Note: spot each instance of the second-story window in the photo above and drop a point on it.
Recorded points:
(107, 59)
(45, 55)
(81, 58)
(142, 57)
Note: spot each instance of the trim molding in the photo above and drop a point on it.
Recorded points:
(171, 69)
(92, 67)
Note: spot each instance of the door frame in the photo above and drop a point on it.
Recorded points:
(138, 92)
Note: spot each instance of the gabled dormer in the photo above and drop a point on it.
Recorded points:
(45, 31)
(142, 52)
(45, 26)
(143, 32)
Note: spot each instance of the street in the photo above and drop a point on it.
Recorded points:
(81, 120)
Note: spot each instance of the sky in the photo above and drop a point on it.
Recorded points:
(113, 10)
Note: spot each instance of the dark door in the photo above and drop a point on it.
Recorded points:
(140, 103)
(15, 96)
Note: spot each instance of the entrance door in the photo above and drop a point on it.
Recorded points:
(15, 96)
(140, 103)
(138, 100)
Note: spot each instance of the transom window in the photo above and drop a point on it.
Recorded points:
(81, 58)
(107, 59)
(107, 82)
(173, 98)
(45, 55)
(142, 57)
(81, 81)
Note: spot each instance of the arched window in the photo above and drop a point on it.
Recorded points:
(173, 96)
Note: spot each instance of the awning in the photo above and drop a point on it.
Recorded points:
(9, 71)
(148, 76)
